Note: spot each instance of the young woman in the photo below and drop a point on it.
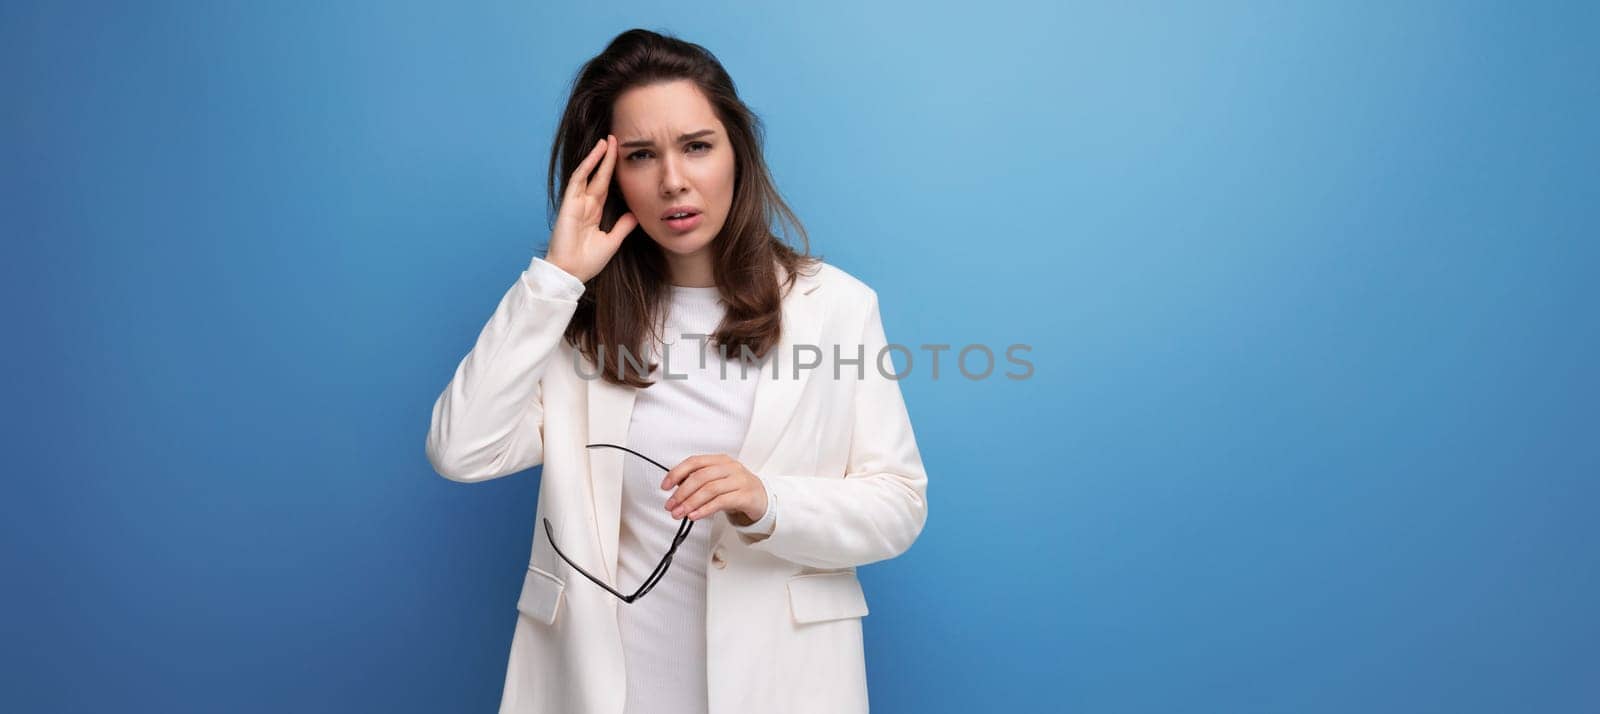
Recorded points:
(670, 361)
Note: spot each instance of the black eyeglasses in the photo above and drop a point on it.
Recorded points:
(661, 568)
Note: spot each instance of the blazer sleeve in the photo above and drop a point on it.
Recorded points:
(489, 420)
(878, 508)
(768, 519)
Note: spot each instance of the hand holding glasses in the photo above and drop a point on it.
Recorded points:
(661, 568)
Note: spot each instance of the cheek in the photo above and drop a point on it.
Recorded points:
(628, 184)
(722, 178)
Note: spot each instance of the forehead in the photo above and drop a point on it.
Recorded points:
(662, 111)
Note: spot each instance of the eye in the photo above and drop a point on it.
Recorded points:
(694, 147)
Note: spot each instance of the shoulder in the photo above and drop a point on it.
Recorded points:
(842, 302)
(834, 285)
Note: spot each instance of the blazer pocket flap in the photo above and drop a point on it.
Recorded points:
(541, 595)
(818, 597)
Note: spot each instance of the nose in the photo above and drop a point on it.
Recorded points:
(672, 182)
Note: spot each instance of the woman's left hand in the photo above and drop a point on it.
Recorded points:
(715, 482)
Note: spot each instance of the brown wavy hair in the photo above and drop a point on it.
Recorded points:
(621, 306)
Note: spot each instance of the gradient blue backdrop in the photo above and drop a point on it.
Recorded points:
(1310, 290)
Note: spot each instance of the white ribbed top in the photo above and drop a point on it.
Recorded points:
(664, 633)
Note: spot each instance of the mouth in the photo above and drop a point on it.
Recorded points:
(681, 218)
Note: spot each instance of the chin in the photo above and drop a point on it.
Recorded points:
(686, 243)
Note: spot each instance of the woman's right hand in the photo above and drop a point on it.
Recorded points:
(577, 245)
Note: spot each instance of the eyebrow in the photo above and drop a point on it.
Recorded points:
(681, 138)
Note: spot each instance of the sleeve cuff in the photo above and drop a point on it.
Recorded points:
(548, 281)
(768, 520)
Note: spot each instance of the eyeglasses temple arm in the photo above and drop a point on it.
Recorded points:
(585, 573)
(666, 560)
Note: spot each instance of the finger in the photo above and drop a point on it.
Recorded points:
(677, 472)
(695, 481)
(578, 181)
(684, 468)
(602, 178)
(624, 225)
(700, 505)
(690, 465)
(725, 502)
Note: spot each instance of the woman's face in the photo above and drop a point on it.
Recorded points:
(672, 151)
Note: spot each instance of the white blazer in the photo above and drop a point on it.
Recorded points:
(783, 611)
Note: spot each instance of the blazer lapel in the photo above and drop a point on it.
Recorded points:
(611, 411)
(777, 397)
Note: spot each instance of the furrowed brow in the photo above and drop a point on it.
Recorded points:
(646, 143)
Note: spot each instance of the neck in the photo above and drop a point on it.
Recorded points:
(691, 271)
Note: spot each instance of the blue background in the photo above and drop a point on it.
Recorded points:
(1310, 291)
